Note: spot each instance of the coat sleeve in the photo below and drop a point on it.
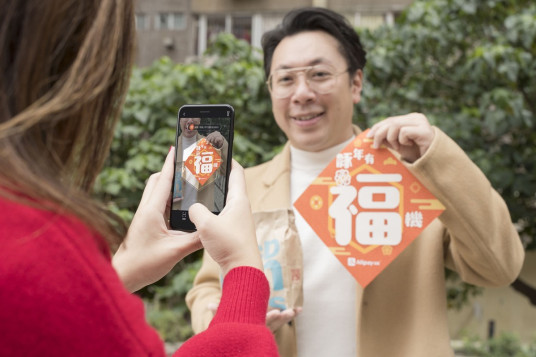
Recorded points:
(206, 290)
(481, 242)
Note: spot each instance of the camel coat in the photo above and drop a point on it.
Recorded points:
(403, 312)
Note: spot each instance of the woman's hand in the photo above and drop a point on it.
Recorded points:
(230, 237)
(151, 248)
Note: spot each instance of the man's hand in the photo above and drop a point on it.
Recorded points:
(216, 139)
(277, 318)
(274, 318)
(151, 248)
(410, 135)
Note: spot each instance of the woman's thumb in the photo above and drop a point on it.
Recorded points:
(199, 215)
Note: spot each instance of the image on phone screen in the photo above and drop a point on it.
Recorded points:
(202, 161)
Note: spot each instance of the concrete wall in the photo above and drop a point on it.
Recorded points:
(509, 310)
(250, 6)
(153, 43)
(182, 44)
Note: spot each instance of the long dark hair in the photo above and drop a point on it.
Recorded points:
(64, 72)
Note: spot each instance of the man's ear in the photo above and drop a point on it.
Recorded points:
(357, 86)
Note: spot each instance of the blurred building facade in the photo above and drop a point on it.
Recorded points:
(182, 29)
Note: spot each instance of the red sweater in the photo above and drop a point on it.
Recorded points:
(60, 296)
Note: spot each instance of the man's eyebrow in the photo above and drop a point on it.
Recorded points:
(310, 63)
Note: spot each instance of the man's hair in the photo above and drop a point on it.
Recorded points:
(316, 19)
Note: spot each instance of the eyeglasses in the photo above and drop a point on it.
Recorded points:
(320, 78)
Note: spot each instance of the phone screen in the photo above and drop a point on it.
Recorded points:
(203, 153)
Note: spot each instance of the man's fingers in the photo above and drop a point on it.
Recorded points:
(392, 137)
(408, 135)
(276, 318)
(380, 133)
(213, 306)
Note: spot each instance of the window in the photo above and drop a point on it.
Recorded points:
(215, 25)
(170, 21)
(241, 27)
(142, 22)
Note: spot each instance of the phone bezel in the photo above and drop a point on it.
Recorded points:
(200, 111)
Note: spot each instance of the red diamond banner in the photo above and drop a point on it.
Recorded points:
(367, 208)
(203, 161)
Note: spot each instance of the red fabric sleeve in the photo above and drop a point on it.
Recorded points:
(59, 294)
(239, 326)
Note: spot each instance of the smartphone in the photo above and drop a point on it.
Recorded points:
(203, 153)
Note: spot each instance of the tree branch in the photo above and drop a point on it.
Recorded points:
(523, 288)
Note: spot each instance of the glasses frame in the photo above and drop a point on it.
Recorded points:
(297, 70)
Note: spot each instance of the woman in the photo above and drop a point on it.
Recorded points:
(65, 66)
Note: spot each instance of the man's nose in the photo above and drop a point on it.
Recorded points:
(302, 89)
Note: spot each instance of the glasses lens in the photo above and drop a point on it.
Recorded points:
(283, 83)
(321, 79)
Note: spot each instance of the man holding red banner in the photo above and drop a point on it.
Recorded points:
(314, 63)
(189, 187)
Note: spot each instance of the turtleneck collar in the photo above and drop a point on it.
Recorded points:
(301, 160)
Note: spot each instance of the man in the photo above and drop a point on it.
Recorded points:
(314, 63)
(188, 190)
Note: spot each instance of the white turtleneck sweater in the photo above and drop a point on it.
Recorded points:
(327, 324)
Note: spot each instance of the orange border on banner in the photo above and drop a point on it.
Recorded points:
(416, 207)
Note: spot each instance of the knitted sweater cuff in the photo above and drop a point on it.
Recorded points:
(245, 295)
